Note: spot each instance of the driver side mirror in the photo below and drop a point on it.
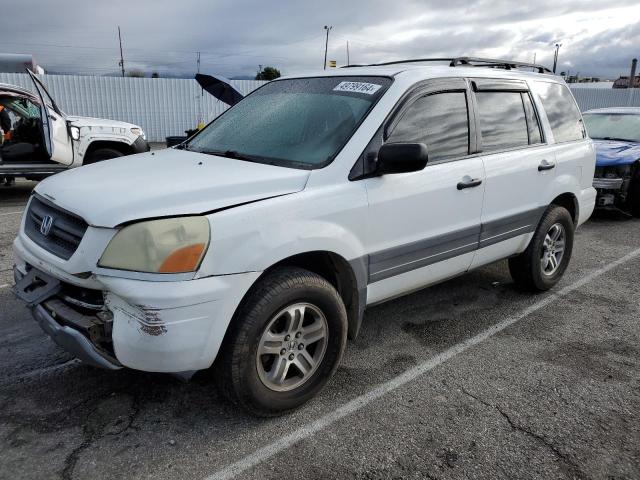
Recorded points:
(401, 158)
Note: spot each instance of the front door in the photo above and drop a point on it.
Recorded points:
(55, 131)
(424, 226)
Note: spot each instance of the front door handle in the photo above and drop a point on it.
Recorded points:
(545, 165)
(469, 183)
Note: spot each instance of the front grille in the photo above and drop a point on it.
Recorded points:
(65, 233)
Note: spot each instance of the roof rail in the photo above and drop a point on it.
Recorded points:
(466, 61)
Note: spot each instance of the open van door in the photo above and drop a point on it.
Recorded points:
(55, 131)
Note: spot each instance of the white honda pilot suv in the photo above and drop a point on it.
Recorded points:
(259, 242)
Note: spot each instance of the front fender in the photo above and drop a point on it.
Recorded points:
(256, 236)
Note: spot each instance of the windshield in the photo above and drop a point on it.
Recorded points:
(300, 123)
(614, 126)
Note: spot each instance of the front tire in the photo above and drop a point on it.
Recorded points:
(101, 154)
(546, 258)
(284, 342)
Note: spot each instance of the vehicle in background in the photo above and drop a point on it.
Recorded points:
(260, 241)
(616, 132)
(43, 140)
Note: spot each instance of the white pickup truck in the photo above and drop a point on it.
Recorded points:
(38, 139)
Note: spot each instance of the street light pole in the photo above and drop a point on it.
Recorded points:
(326, 45)
(555, 57)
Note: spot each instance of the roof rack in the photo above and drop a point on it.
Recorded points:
(466, 61)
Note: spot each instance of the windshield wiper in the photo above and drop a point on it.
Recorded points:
(230, 154)
(616, 139)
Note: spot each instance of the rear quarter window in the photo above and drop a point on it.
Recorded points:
(562, 112)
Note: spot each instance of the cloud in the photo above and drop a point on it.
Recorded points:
(235, 36)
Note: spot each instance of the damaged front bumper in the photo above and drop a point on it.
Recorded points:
(111, 322)
(612, 184)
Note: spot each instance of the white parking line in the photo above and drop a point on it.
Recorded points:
(356, 404)
(5, 285)
(10, 213)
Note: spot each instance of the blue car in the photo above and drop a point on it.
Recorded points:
(616, 133)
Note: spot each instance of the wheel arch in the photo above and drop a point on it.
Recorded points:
(119, 145)
(569, 201)
(349, 278)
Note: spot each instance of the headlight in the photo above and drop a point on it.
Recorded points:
(138, 131)
(172, 245)
(75, 133)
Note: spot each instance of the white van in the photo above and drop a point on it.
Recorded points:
(259, 242)
(38, 139)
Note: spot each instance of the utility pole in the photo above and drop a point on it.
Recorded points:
(555, 57)
(198, 62)
(534, 57)
(326, 45)
(348, 62)
(121, 57)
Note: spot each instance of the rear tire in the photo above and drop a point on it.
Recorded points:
(546, 258)
(100, 154)
(281, 317)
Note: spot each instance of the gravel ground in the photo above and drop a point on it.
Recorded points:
(555, 394)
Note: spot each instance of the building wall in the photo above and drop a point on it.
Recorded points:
(161, 106)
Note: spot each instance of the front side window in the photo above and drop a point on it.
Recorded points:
(613, 126)
(503, 123)
(299, 123)
(440, 121)
(562, 111)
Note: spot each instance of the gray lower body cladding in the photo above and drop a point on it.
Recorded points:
(404, 258)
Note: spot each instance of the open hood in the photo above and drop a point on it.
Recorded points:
(220, 88)
(164, 184)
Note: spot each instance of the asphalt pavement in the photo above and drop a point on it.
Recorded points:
(468, 379)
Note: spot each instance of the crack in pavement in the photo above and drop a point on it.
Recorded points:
(574, 469)
(92, 435)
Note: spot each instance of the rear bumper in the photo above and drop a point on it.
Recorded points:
(586, 204)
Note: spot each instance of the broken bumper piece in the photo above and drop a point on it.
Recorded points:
(73, 341)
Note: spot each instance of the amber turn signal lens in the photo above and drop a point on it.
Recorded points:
(185, 259)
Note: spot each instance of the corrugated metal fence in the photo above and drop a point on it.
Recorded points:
(161, 106)
(588, 98)
(169, 106)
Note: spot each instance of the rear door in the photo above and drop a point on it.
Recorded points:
(519, 166)
(424, 226)
(55, 131)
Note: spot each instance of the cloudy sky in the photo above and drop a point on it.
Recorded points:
(235, 36)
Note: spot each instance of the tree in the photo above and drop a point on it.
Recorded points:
(135, 73)
(268, 73)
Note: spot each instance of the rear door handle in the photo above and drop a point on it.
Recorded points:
(545, 165)
(469, 184)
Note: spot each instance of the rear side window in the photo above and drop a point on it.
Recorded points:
(503, 123)
(440, 121)
(562, 111)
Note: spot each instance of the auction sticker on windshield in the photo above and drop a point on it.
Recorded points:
(357, 87)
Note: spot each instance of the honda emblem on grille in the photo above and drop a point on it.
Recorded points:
(45, 226)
